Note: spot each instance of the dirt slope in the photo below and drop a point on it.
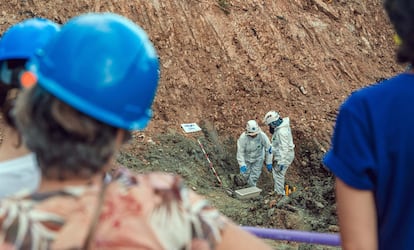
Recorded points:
(224, 62)
(230, 61)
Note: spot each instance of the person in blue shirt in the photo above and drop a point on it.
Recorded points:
(372, 153)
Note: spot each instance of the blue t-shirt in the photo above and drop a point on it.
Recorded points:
(373, 149)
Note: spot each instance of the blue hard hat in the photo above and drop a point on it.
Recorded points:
(103, 65)
(22, 40)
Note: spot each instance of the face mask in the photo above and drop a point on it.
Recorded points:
(276, 123)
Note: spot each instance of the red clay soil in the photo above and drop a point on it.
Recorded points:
(230, 61)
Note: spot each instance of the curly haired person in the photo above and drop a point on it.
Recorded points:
(96, 82)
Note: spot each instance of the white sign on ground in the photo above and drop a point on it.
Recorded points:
(190, 127)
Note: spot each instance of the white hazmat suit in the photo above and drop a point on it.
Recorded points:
(283, 153)
(251, 152)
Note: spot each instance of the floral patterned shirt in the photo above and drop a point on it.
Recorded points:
(146, 211)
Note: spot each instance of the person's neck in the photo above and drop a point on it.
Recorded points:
(10, 147)
(50, 185)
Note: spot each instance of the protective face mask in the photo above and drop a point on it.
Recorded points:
(276, 123)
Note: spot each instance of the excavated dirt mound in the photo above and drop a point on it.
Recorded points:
(224, 62)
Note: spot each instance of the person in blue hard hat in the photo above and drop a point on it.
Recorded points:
(19, 173)
(96, 82)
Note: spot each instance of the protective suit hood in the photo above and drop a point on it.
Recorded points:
(285, 123)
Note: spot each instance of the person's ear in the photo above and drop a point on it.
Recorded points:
(119, 139)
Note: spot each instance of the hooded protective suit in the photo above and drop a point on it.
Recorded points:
(251, 152)
(283, 152)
